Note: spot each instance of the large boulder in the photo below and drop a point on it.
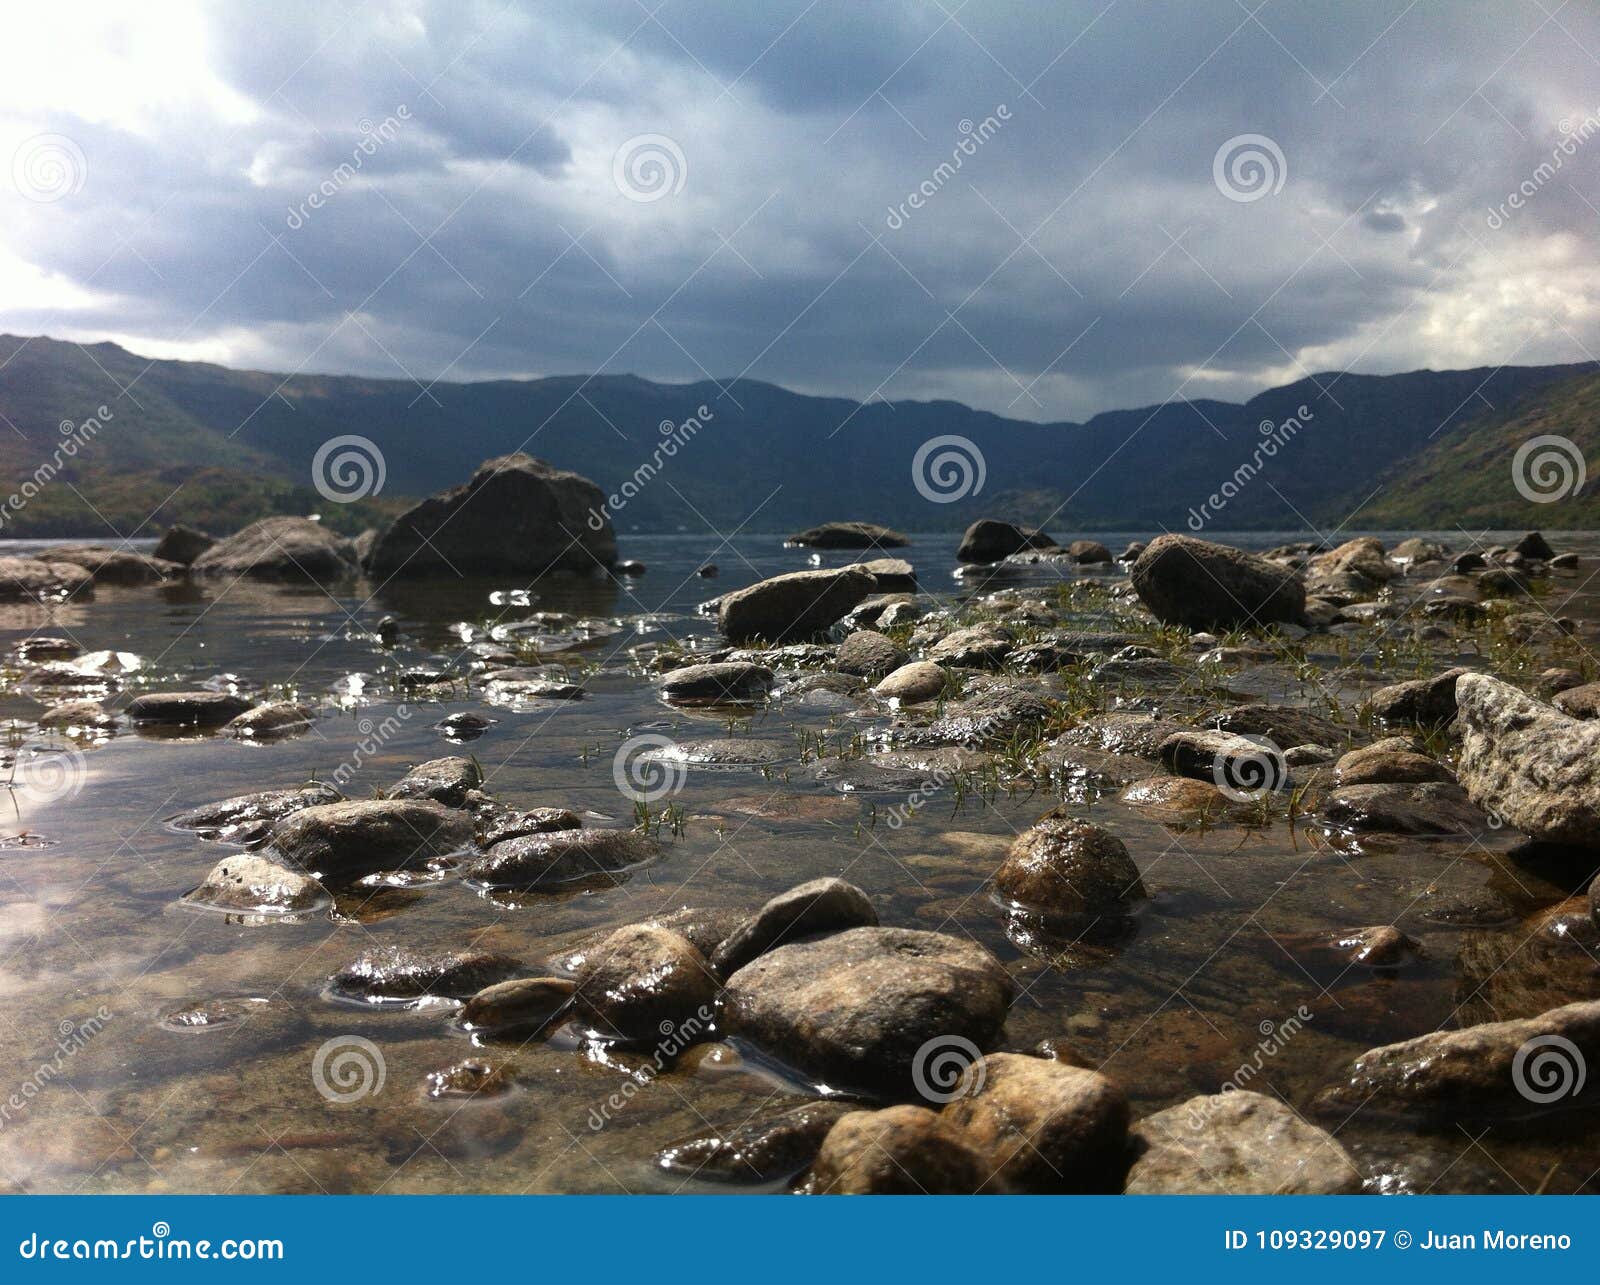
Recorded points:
(1231, 1144)
(792, 607)
(848, 535)
(280, 549)
(515, 515)
(1184, 581)
(858, 1009)
(989, 540)
(1528, 763)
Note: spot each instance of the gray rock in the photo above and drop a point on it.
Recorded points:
(1428, 701)
(1427, 808)
(705, 930)
(792, 607)
(561, 856)
(868, 654)
(339, 841)
(1065, 866)
(250, 884)
(245, 817)
(1581, 701)
(724, 681)
(820, 906)
(646, 983)
(1528, 763)
(855, 1007)
(987, 718)
(889, 575)
(901, 1151)
(921, 680)
(444, 780)
(270, 722)
(496, 824)
(106, 565)
(1388, 762)
(1184, 581)
(186, 709)
(1232, 763)
(1041, 1125)
(280, 549)
(848, 535)
(760, 1151)
(85, 714)
(1496, 1070)
(182, 544)
(389, 974)
(980, 647)
(1231, 1144)
(989, 540)
(36, 580)
(516, 515)
(1139, 735)
(1088, 552)
(1283, 725)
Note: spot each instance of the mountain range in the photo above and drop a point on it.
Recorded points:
(218, 447)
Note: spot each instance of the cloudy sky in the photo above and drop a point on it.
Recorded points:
(1042, 207)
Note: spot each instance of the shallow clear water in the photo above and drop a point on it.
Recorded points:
(90, 919)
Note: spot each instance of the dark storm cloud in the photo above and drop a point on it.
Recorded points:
(1013, 204)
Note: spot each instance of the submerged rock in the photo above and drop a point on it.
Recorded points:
(903, 1150)
(561, 856)
(1231, 1144)
(1499, 1069)
(346, 840)
(186, 709)
(390, 974)
(1422, 809)
(521, 1002)
(1184, 581)
(1041, 1125)
(250, 884)
(822, 905)
(792, 607)
(246, 817)
(1528, 763)
(1069, 867)
(761, 1151)
(855, 1008)
(269, 722)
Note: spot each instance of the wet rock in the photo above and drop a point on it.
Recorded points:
(1041, 1125)
(1388, 762)
(1138, 672)
(561, 856)
(848, 535)
(391, 974)
(186, 709)
(707, 571)
(761, 1151)
(980, 647)
(444, 780)
(1416, 549)
(869, 614)
(516, 515)
(1309, 755)
(522, 1002)
(630, 567)
(644, 983)
(497, 825)
(1177, 799)
(1065, 866)
(726, 681)
(1356, 567)
(921, 680)
(1184, 581)
(1347, 956)
(985, 719)
(1579, 702)
(1235, 764)
(182, 544)
(989, 540)
(819, 906)
(1088, 552)
(1499, 1069)
(1081, 767)
(474, 1078)
(792, 607)
(1237, 1144)
(280, 549)
(1283, 725)
(868, 654)
(340, 841)
(1423, 809)
(463, 725)
(250, 884)
(720, 751)
(902, 1150)
(1428, 701)
(73, 715)
(1534, 545)
(704, 929)
(33, 580)
(1564, 562)
(47, 647)
(855, 1007)
(246, 817)
(902, 771)
(1139, 735)
(269, 722)
(1528, 763)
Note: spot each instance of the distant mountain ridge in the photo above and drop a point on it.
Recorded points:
(235, 445)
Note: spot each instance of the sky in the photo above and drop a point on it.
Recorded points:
(1045, 209)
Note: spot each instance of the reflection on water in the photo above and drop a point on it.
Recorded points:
(223, 1066)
